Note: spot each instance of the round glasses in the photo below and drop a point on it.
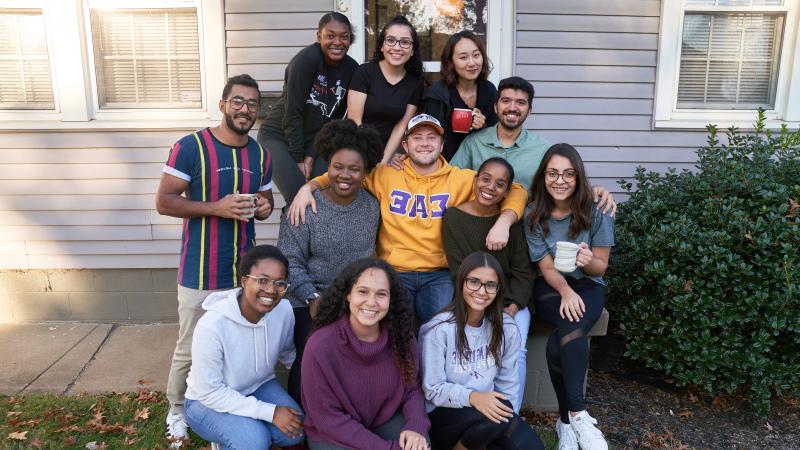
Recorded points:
(264, 282)
(552, 175)
(474, 284)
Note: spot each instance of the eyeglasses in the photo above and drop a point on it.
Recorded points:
(474, 284)
(390, 41)
(264, 282)
(239, 102)
(567, 175)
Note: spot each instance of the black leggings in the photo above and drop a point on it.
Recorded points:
(568, 348)
(476, 431)
(285, 174)
(302, 329)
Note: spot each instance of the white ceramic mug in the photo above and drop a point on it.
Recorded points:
(566, 256)
(252, 199)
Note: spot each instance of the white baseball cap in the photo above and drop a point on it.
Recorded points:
(424, 119)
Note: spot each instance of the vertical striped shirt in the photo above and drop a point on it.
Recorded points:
(211, 246)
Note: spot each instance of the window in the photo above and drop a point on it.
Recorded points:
(110, 63)
(719, 60)
(25, 81)
(146, 58)
(435, 21)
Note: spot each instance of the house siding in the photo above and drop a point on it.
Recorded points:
(593, 66)
(79, 235)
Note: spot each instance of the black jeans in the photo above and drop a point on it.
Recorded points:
(567, 347)
(476, 431)
(285, 174)
(302, 329)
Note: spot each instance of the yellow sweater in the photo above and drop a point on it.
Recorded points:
(412, 206)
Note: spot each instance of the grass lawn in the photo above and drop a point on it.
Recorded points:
(111, 421)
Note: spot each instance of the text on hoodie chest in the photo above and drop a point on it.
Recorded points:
(413, 205)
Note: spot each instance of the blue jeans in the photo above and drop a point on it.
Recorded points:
(429, 291)
(523, 320)
(239, 432)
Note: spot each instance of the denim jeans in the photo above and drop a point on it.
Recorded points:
(239, 432)
(523, 320)
(429, 291)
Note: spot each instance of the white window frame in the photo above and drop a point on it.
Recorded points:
(69, 43)
(787, 98)
(499, 33)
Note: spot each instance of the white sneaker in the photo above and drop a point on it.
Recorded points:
(177, 429)
(566, 436)
(589, 437)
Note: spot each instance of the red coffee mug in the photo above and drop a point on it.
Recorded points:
(461, 120)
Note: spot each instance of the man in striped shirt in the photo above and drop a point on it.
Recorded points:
(203, 177)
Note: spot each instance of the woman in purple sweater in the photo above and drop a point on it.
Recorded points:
(360, 371)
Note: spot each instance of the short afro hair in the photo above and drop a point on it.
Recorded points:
(345, 134)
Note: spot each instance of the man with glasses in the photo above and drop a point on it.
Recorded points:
(216, 179)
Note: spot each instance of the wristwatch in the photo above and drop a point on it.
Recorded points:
(311, 298)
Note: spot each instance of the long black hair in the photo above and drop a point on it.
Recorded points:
(493, 313)
(414, 64)
(543, 203)
(399, 320)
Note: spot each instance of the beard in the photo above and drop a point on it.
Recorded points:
(229, 120)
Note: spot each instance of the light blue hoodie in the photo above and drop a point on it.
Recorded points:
(232, 357)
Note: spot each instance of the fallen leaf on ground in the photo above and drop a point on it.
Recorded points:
(142, 414)
(769, 427)
(36, 442)
(13, 413)
(144, 381)
(70, 440)
(129, 429)
(692, 398)
(685, 414)
(129, 441)
(17, 435)
(719, 402)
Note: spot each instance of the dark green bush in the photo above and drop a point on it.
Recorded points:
(706, 270)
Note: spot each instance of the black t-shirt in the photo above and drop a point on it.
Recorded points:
(313, 93)
(386, 103)
(440, 101)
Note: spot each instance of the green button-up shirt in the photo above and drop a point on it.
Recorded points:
(524, 155)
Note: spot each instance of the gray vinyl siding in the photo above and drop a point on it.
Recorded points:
(87, 200)
(593, 66)
(261, 36)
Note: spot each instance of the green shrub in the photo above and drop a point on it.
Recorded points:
(706, 270)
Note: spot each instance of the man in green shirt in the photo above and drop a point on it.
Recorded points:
(508, 139)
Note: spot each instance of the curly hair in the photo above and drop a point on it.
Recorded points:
(346, 135)
(414, 64)
(400, 319)
(493, 313)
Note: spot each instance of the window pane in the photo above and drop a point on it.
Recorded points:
(729, 61)
(147, 58)
(25, 81)
(435, 21)
(736, 2)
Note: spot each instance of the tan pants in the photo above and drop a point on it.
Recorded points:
(189, 312)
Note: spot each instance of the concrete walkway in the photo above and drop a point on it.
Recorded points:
(72, 358)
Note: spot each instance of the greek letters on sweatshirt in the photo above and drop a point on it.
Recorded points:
(448, 379)
(232, 357)
(412, 207)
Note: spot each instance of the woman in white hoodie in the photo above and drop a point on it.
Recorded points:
(233, 397)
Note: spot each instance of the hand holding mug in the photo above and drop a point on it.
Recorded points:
(478, 119)
(585, 255)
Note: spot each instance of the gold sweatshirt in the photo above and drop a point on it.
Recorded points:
(412, 206)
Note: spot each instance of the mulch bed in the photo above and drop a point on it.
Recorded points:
(637, 408)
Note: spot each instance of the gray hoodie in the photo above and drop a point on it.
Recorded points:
(232, 357)
(447, 380)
